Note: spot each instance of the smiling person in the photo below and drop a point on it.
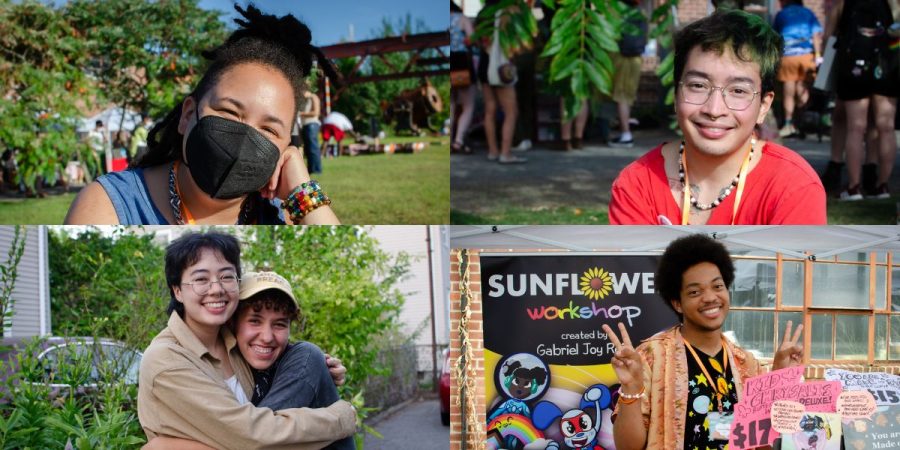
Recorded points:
(194, 383)
(678, 379)
(284, 375)
(223, 156)
(720, 173)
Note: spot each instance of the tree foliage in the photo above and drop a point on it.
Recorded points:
(107, 285)
(583, 34)
(364, 100)
(58, 62)
(114, 286)
(345, 284)
(9, 272)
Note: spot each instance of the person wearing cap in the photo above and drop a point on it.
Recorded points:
(285, 375)
(195, 384)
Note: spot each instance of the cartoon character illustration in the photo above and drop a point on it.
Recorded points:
(580, 427)
(814, 435)
(521, 384)
(520, 378)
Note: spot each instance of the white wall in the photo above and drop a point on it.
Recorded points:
(32, 291)
(417, 310)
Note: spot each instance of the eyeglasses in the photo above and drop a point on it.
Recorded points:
(738, 97)
(201, 286)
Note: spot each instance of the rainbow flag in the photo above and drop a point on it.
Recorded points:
(895, 44)
(516, 425)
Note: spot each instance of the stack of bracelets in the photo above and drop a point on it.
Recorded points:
(304, 199)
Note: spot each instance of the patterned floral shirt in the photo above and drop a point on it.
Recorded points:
(666, 381)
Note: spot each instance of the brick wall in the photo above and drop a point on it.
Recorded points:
(476, 338)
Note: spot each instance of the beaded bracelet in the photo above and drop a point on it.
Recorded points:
(627, 399)
(304, 199)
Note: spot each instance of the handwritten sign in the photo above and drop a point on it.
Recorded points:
(786, 416)
(752, 419)
(885, 388)
(856, 404)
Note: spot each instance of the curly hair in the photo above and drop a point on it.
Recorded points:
(748, 36)
(281, 43)
(271, 299)
(684, 253)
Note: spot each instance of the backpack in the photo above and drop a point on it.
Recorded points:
(633, 44)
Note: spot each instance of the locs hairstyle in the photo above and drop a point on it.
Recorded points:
(684, 253)
(281, 43)
(185, 251)
(748, 36)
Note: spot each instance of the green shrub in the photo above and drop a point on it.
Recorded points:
(107, 285)
(36, 416)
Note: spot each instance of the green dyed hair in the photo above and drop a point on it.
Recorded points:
(750, 38)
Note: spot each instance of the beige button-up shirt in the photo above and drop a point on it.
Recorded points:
(182, 393)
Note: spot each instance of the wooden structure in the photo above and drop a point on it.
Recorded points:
(416, 67)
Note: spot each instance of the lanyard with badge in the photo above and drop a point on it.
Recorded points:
(719, 421)
(742, 180)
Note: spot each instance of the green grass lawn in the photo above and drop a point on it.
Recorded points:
(41, 211)
(367, 189)
(391, 189)
(867, 212)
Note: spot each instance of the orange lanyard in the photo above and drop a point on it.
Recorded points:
(717, 387)
(185, 212)
(742, 179)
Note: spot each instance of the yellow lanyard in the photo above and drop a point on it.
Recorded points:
(719, 386)
(742, 179)
(185, 213)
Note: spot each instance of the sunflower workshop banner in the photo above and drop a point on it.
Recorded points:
(548, 379)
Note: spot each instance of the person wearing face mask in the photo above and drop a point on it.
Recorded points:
(720, 173)
(223, 156)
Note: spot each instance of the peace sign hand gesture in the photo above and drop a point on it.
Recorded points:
(790, 353)
(627, 362)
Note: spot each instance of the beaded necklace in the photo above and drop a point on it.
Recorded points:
(737, 182)
(180, 210)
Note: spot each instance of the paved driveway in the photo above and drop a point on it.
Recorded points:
(416, 426)
(580, 178)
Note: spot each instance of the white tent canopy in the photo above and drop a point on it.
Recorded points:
(819, 241)
(111, 118)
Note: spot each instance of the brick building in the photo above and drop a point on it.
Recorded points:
(842, 287)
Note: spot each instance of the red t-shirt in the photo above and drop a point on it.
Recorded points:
(781, 190)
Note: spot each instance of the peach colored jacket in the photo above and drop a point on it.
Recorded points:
(666, 381)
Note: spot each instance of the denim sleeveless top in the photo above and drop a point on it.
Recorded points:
(127, 190)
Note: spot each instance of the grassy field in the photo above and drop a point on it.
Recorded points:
(867, 212)
(41, 211)
(369, 189)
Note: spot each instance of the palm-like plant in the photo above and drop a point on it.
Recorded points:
(583, 33)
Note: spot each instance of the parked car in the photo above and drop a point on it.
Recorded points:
(63, 363)
(445, 389)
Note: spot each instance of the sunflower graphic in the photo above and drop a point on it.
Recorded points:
(596, 283)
